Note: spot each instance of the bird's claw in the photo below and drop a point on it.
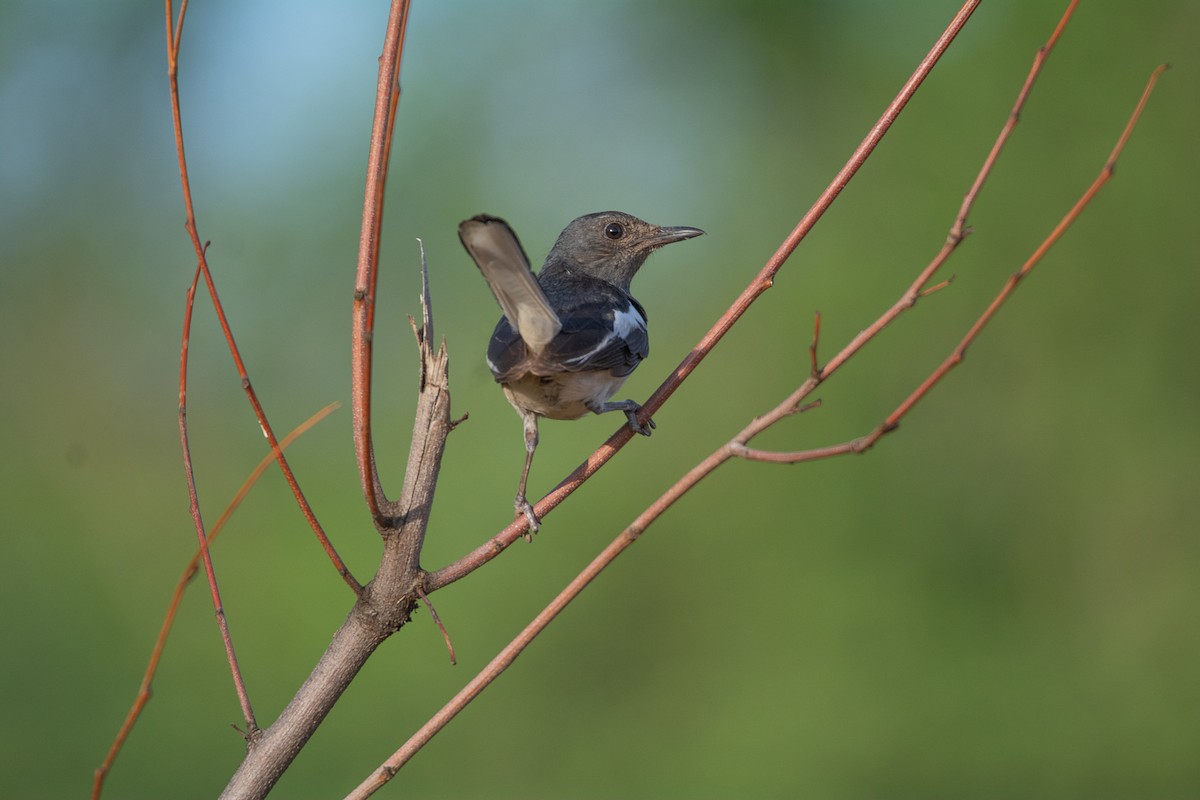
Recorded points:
(522, 506)
(638, 427)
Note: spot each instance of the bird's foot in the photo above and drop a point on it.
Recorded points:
(522, 506)
(638, 427)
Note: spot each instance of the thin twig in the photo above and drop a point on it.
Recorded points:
(438, 621)
(814, 364)
(959, 229)
(1010, 285)
(144, 689)
(761, 282)
(173, 45)
(174, 40)
(239, 682)
(738, 445)
(366, 279)
(174, 36)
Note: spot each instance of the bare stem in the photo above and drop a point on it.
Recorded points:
(173, 37)
(173, 45)
(144, 689)
(387, 97)
(959, 229)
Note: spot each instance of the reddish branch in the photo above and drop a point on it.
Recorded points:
(366, 279)
(793, 404)
(762, 281)
(174, 32)
(189, 572)
(384, 605)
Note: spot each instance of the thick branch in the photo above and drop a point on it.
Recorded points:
(386, 602)
(278, 745)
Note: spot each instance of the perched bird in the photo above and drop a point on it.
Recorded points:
(571, 335)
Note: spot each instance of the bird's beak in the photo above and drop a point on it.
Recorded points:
(676, 234)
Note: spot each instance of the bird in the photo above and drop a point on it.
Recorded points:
(570, 336)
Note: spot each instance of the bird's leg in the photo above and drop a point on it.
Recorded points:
(531, 442)
(630, 408)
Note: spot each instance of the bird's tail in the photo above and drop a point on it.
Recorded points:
(499, 255)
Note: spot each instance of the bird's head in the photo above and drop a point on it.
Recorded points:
(611, 245)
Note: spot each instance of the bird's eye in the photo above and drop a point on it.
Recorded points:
(614, 230)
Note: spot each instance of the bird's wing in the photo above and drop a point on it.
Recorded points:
(598, 338)
(499, 255)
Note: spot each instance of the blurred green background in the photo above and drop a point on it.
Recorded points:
(1000, 600)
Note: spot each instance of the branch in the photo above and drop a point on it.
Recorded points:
(387, 96)
(387, 602)
(144, 689)
(174, 34)
(737, 448)
(173, 37)
(761, 282)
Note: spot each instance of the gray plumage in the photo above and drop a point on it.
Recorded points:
(571, 335)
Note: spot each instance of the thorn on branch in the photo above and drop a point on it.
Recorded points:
(814, 368)
(416, 330)
(807, 407)
(937, 287)
(438, 621)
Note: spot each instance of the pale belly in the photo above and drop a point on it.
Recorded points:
(563, 396)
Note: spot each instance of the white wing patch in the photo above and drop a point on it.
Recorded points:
(625, 322)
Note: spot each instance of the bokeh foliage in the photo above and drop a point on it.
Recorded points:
(1000, 600)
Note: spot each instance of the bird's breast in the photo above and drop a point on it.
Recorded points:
(564, 395)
